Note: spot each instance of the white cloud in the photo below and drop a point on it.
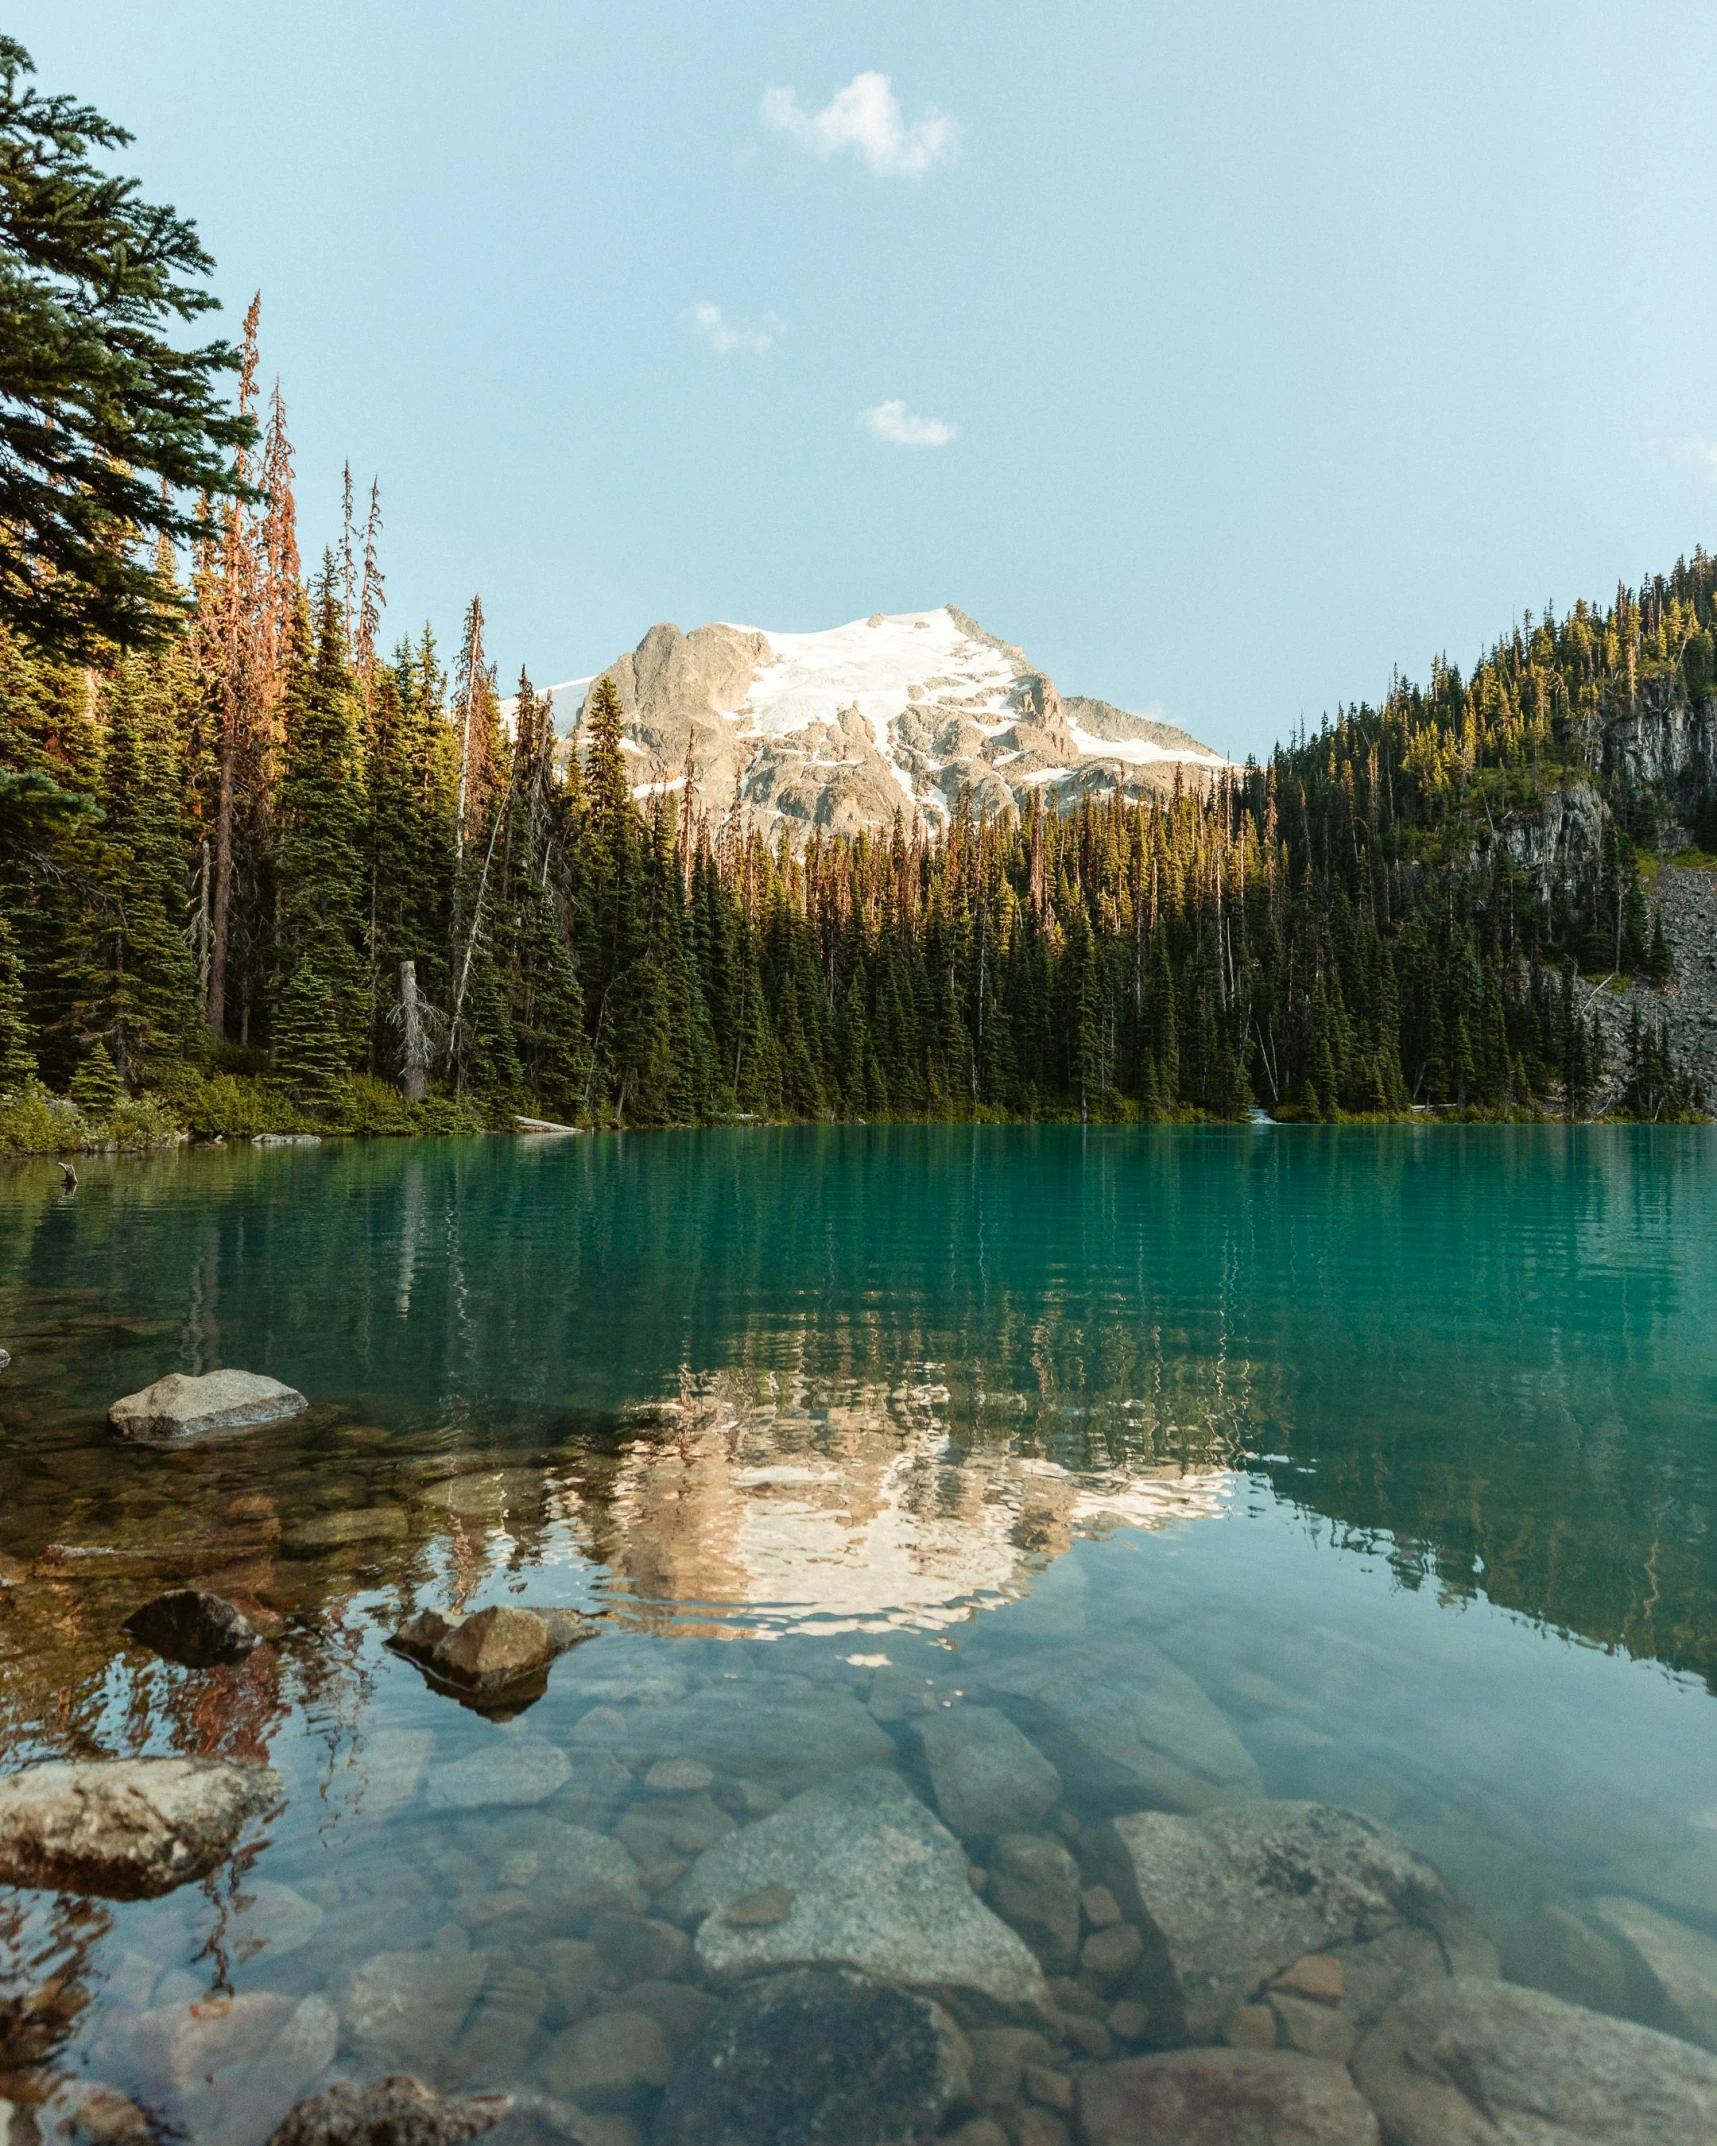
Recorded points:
(725, 336)
(1698, 454)
(865, 117)
(896, 426)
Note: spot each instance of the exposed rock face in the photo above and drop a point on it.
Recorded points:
(988, 1777)
(1228, 1900)
(177, 1408)
(842, 730)
(125, 1829)
(1128, 1725)
(1665, 741)
(1490, 2064)
(1220, 2097)
(191, 1626)
(823, 2054)
(1565, 829)
(877, 1885)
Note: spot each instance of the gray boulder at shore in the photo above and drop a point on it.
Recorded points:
(125, 1829)
(1228, 1899)
(178, 1407)
(822, 2055)
(876, 1883)
(1478, 2063)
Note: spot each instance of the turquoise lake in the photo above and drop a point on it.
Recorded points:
(1380, 1463)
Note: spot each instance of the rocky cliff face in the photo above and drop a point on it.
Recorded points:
(842, 730)
(1565, 828)
(1666, 743)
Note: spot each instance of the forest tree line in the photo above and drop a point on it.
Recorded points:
(218, 855)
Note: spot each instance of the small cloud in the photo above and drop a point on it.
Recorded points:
(725, 336)
(896, 426)
(1698, 454)
(865, 117)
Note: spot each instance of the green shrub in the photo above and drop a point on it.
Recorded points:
(33, 1122)
(235, 1106)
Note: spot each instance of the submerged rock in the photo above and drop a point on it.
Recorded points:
(763, 1730)
(988, 1777)
(178, 1407)
(822, 2054)
(1217, 2097)
(1673, 1970)
(1128, 1725)
(1490, 2064)
(333, 1531)
(192, 1626)
(126, 1829)
(878, 1884)
(1226, 1901)
(612, 2060)
(393, 2112)
(1034, 1885)
(515, 1770)
(406, 2008)
(229, 2068)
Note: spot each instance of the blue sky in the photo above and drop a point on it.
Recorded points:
(1221, 356)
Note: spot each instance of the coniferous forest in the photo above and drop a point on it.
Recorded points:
(257, 873)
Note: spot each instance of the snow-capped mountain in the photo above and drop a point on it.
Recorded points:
(840, 730)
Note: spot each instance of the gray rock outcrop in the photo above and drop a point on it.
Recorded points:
(821, 2054)
(1479, 2063)
(877, 1884)
(125, 1829)
(177, 1408)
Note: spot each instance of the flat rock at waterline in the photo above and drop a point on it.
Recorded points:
(824, 2055)
(1478, 2063)
(193, 1627)
(177, 1407)
(1128, 1725)
(125, 1829)
(1228, 1899)
(878, 1884)
(988, 1777)
(1226, 2097)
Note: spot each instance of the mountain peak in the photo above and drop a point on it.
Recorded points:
(892, 713)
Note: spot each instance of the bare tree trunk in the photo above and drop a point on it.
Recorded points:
(217, 1009)
(414, 1068)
